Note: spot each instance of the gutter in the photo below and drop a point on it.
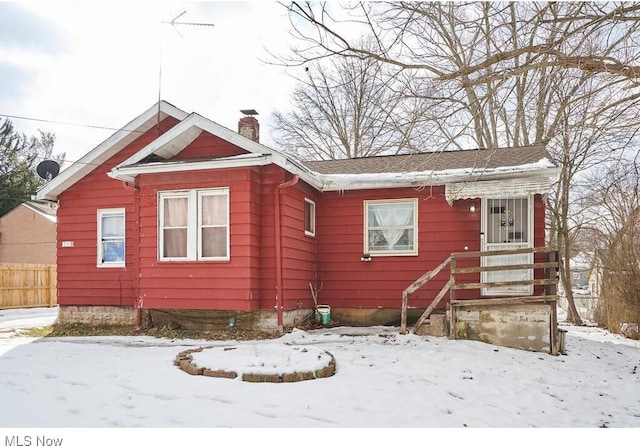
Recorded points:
(279, 290)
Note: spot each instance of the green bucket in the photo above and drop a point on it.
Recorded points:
(324, 311)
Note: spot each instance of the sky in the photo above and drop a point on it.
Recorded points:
(58, 387)
(101, 64)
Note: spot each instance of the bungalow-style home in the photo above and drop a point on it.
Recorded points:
(177, 219)
(28, 234)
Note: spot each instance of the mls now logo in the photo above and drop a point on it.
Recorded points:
(28, 440)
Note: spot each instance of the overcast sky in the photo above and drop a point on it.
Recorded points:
(97, 64)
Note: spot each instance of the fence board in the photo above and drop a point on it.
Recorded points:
(25, 285)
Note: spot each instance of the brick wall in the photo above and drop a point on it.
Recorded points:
(27, 236)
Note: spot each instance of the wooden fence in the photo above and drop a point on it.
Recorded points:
(24, 285)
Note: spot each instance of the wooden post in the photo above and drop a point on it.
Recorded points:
(403, 316)
(452, 297)
(551, 273)
(52, 300)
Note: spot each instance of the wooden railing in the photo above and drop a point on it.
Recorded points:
(25, 285)
(457, 283)
(415, 286)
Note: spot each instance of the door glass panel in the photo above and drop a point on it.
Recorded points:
(507, 220)
(507, 227)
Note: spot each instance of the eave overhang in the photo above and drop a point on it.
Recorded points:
(129, 173)
(112, 145)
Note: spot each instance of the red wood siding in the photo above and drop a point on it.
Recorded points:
(299, 258)
(207, 145)
(80, 280)
(232, 284)
(298, 252)
(330, 260)
(349, 282)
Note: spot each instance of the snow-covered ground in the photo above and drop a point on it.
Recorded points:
(383, 379)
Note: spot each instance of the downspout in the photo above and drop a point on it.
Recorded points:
(136, 253)
(279, 292)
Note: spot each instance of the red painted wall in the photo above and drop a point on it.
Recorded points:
(225, 285)
(207, 145)
(330, 260)
(442, 229)
(80, 280)
(349, 282)
(298, 251)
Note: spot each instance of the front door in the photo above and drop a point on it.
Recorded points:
(507, 224)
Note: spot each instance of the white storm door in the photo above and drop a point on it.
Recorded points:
(507, 224)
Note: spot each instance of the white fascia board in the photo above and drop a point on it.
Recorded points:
(112, 145)
(286, 162)
(129, 173)
(183, 134)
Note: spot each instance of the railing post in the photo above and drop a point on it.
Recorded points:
(452, 297)
(550, 289)
(403, 316)
(452, 291)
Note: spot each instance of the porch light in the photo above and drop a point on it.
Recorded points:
(472, 207)
(366, 257)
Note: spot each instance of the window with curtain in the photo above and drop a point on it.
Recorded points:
(194, 225)
(391, 227)
(111, 238)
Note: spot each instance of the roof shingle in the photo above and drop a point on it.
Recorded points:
(434, 161)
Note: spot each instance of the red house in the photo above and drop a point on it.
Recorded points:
(176, 218)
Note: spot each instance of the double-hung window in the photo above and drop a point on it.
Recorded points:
(194, 225)
(391, 227)
(111, 238)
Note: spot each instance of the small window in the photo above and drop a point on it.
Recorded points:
(391, 227)
(111, 238)
(309, 217)
(194, 225)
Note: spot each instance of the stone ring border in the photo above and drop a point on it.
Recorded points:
(184, 361)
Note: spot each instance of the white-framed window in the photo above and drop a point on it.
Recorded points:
(111, 237)
(194, 225)
(391, 227)
(309, 217)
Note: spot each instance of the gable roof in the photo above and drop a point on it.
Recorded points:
(182, 134)
(105, 150)
(44, 210)
(465, 173)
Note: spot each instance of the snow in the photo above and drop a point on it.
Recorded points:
(262, 359)
(543, 168)
(383, 380)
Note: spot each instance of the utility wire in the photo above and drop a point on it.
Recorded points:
(100, 127)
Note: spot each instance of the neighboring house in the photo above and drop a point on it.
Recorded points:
(175, 215)
(585, 275)
(28, 234)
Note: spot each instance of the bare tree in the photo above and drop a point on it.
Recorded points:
(615, 198)
(563, 74)
(348, 108)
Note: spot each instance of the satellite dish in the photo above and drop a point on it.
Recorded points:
(48, 169)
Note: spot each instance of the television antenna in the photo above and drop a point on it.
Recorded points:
(175, 24)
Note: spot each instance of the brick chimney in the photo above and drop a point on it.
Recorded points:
(248, 126)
